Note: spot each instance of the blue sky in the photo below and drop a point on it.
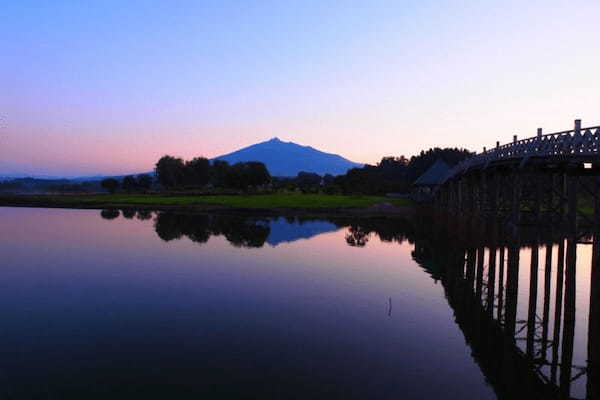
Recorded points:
(108, 87)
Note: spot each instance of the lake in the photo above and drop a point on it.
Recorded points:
(125, 304)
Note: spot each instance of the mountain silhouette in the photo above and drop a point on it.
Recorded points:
(287, 158)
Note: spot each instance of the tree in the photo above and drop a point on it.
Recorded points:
(110, 214)
(308, 181)
(129, 183)
(197, 171)
(247, 174)
(128, 213)
(257, 174)
(219, 172)
(110, 184)
(144, 181)
(419, 164)
(170, 171)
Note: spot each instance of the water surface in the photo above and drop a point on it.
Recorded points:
(147, 305)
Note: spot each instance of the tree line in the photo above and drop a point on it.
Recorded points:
(198, 173)
(130, 183)
(390, 175)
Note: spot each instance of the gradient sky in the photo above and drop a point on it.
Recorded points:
(108, 87)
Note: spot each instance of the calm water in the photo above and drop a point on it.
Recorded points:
(146, 305)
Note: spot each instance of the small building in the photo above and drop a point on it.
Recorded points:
(426, 184)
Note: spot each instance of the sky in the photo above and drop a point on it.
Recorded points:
(109, 87)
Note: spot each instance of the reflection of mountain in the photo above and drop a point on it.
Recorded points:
(239, 231)
(286, 231)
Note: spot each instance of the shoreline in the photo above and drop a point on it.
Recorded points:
(377, 206)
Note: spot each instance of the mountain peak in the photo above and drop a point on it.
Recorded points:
(288, 158)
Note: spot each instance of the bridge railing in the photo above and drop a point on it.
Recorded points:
(576, 142)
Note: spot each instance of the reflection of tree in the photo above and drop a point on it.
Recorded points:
(128, 213)
(239, 231)
(357, 236)
(243, 231)
(388, 230)
(247, 233)
(168, 226)
(109, 214)
(144, 215)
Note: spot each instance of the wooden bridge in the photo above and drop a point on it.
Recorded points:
(548, 178)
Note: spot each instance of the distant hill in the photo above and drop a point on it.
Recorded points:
(287, 158)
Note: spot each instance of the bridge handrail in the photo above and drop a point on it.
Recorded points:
(550, 144)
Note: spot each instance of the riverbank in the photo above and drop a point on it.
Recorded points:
(277, 203)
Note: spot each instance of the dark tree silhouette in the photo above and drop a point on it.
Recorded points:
(218, 175)
(419, 164)
(144, 181)
(170, 171)
(144, 215)
(197, 171)
(308, 181)
(110, 184)
(243, 175)
(109, 214)
(129, 183)
(128, 213)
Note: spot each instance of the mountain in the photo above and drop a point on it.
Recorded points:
(287, 158)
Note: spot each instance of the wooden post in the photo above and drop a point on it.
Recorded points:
(566, 359)
(538, 197)
(572, 181)
(483, 194)
(549, 194)
(577, 126)
(593, 378)
(479, 281)
(512, 289)
(539, 132)
(491, 284)
(514, 139)
(562, 187)
(470, 273)
(532, 310)
(516, 199)
(501, 284)
(558, 308)
(547, 290)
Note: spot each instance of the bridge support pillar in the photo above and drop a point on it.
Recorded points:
(572, 187)
(593, 378)
(532, 309)
(501, 268)
(512, 289)
(547, 290)
(558, 309)
(515, 200)
(566, 360)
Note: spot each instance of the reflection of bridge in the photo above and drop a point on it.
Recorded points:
(543, 178)
(481, 271)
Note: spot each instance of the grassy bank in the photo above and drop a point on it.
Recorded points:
(254, 202)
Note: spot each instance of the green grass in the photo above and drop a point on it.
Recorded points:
(259, 201)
